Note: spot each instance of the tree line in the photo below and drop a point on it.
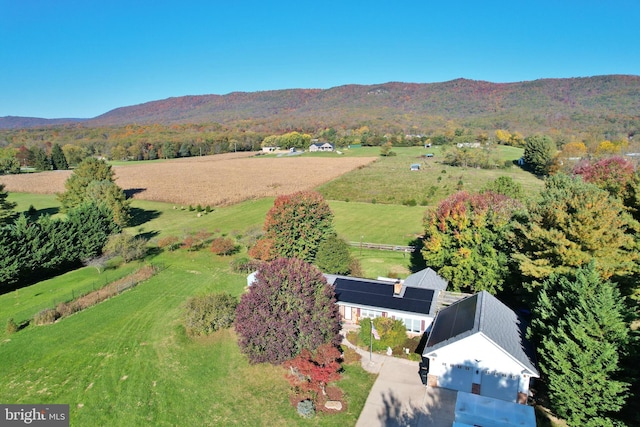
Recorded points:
(33, 247)
(569, 255)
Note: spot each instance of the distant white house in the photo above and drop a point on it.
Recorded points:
(477, 345)
(270, 149)
(321, 146)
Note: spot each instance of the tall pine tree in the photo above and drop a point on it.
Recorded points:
(58, 159)
(6, 207)
(580, 332)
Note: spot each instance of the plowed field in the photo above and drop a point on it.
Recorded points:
(210, 180)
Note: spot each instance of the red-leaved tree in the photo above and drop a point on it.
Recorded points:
(313, 371)
(614, 174)
(289, 307)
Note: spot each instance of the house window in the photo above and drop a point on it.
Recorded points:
(371, 314)
(412, 325)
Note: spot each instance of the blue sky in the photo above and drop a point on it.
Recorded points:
(79, 58)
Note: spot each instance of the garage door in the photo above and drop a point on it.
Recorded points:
(500, 386)
(457, 377)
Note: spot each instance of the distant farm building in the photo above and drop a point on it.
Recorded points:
(415, 167)
(321, 146)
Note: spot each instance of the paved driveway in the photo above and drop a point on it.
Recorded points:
(398, 397)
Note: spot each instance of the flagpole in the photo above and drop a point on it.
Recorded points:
(371, 340)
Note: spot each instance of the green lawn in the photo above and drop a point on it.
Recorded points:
(22, 304)
(127, 361)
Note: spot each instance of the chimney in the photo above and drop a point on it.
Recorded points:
(397, 287)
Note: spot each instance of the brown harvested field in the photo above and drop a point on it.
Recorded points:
(210, 180)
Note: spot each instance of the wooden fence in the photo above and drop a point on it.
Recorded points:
(382, 247)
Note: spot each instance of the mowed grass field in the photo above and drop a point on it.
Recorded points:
(127, 361)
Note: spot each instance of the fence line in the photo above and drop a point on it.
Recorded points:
(382, 246)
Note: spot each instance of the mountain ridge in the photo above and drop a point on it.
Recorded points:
(542, 103)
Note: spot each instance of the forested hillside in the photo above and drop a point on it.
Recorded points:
(604, 104)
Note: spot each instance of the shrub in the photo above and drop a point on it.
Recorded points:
(306, 409)
(207, 209)
(245, 265)
(223, 246)
(199, 208)
(12, 326)
(169, 242)
(46, 317)
(128, 247)
(410, 202)
(350, 356)
(209, 313)
(392, 332)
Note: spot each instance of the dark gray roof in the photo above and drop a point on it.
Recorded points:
(483, 313)
(376, 293)
(427, 279)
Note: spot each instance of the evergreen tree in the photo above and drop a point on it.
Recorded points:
(58, 159)
(333, 256)
(6, 207)
(572, 223)
(578, 324)
(539, 151)
(41, 161)
(93, 181)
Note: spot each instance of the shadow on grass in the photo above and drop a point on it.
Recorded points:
(142, 216)
(34, 215)
(417, 262)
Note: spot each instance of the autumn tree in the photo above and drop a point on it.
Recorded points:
(93, 181)
(465, 240)
(289, 307)
(572, 223)
(613, 174)
(296, 225)
(539, 151)
(6, 207)
(580, 332)
(312, 371)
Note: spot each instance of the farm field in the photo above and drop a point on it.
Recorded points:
(359, 175)
(389, 180)
(223, 179)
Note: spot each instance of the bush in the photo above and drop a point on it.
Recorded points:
(392, 332)
(209, 313)
(306, 409)
(12, 326)
(223, 246)
(126, 246)
(410, 202)
(46, 317)
(350, 356)
(245, 265)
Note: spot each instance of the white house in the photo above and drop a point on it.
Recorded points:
(477, 345)
(414, 300)
(320, 146)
